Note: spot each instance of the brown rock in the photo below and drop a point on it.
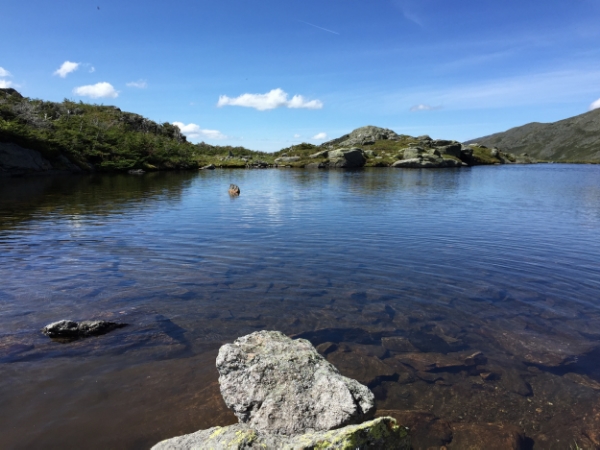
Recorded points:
(365, 369)
(326, 347)
(234, 190)
(426, 362)
(398, 344)
(542, 349)
(472, 436)
(425, 429)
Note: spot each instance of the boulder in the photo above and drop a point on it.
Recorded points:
(381, 433)
(209, 167)
(234, 190)
(347, 158)
(321, 154)
(287, 159)
(453, 149)
(278, 385)
(136, 172)
(71, 329)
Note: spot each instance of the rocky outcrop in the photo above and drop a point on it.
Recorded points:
(382, 433)
(364, 136)
(280, 385)
(16, 160)
(286, 159)
(72, 330)
(287, 396)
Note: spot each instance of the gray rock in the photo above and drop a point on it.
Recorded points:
(413, 152)
(381, 433)
(284, 159)
(347, 158)
(136, 172)
(278, 385)
(209, 167)
(368, 134)
(16, 159)
(453, 149)
(321, 154)
(320, 165)
(70, 329)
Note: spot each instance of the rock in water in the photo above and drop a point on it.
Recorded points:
(278, 385)
(234, 190)
(382, 433)
(71, 329)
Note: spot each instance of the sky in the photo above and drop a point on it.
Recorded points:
(267, 74)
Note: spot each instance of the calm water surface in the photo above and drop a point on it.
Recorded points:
(407, 272)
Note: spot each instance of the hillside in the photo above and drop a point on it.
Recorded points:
(575, 139)
(72, 136)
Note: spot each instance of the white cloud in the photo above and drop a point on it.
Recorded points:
(66, 68)
(423, 107)
(4, 72)
(92, 69)
(141, 84)
(296, 136)
(595, 105)
(97, 90)
(194, 131)
(5, 84)
(275, 98)
(320, 136)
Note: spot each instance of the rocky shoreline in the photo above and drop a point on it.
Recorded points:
(364, 147)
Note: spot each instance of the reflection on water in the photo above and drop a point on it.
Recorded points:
(400, 277)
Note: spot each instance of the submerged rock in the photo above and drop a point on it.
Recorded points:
(71, 329)
(234, 190)
(382, 433)
(279, 385)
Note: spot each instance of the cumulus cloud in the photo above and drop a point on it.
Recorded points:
(98, 90)
(422, 107)
(66, 68)
(320, 136)
(4, 84)
(275, 98)
(4, 72)
(194, 131)
(140, 84)
(595, 105)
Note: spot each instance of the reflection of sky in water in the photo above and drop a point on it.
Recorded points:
(469, 250)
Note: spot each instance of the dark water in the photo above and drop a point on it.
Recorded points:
(408, 272)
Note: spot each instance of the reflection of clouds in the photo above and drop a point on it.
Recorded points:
(75, 221)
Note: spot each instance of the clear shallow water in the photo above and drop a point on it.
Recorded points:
(502, 260)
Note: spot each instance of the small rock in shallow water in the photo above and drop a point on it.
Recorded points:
(71, 329)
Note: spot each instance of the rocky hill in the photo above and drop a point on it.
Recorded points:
(576, 139)
(39, 136)
(381, 147)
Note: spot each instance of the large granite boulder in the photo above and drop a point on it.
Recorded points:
(279, 385)
(286, 159)
(382, 433)
(347, 158)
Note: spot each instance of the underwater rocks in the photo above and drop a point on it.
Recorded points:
(71, 329)
(279, 385)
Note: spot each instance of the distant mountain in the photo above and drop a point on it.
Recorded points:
(575, 139)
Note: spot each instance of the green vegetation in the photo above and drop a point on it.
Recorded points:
(106, 138)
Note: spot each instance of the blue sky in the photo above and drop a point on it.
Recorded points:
(267, 74)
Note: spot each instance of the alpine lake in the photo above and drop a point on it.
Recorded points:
(465, 296)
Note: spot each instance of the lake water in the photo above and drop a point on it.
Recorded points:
(407, 272)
